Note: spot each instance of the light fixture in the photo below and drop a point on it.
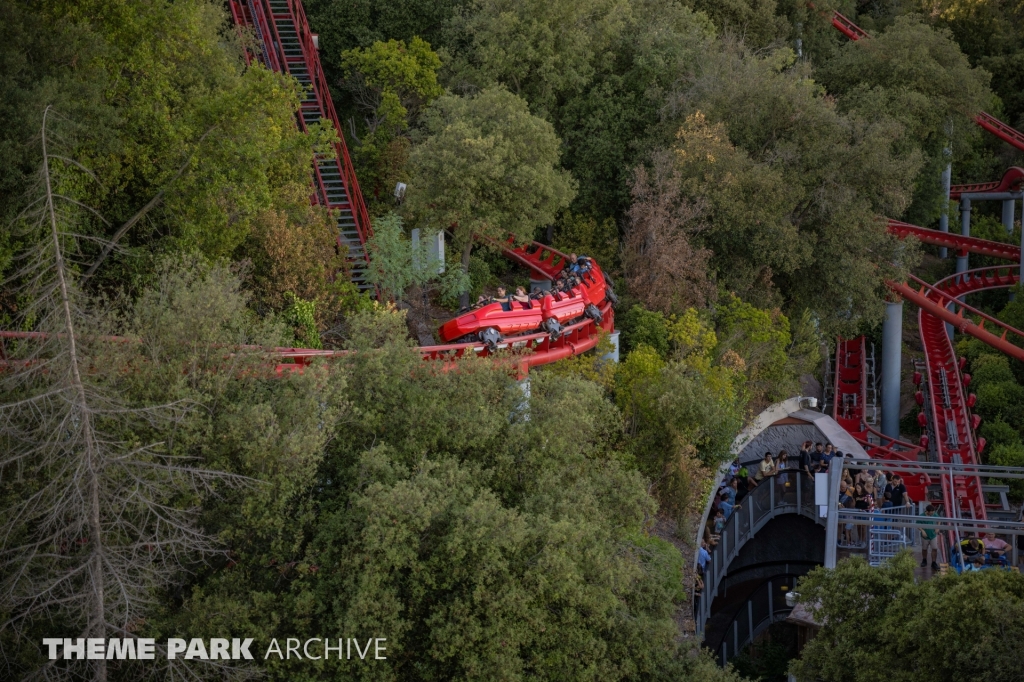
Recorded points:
(812, 402)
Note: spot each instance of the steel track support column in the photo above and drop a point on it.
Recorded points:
(947, 176)
(892, 349)
(962, 264)
(1022, 238)
(1008, 206)
(965, 230)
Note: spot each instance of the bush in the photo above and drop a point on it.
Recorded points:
(640, 326)
(1011, 455)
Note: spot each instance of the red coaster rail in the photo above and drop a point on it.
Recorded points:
(949, 407)
(848, 409)
(1012, 180)
(984, 247)
(983, 119)
(288, 46)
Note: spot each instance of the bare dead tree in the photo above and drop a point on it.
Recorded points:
(97, 514)
(664, 268)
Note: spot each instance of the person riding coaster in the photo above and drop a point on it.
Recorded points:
(506, 315)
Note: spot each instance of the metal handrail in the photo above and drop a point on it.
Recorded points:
(760, 506)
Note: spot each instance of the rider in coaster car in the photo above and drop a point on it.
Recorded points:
(521, 297)
(504, 299)
(579, 265)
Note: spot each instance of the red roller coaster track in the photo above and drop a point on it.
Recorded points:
(288, 46)
(949, 409)
(1013, 179)
(962, 244)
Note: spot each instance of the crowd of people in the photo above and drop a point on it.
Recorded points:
(861, 489)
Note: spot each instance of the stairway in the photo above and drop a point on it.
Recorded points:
(288, 47)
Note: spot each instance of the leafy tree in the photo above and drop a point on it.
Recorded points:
(395, 264)
(948, 628)
(918, 76)
(584, 235)
(763, 339)
(609, 126)
(792, 187)
(991, 34)
(755, 21)
(643, 327)
(191, 147)
(390, 83)
(540, 50)
(294, 251)
(487, 169)
(664, 268)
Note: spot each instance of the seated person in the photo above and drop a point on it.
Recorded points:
(973, 550)
(504, 299)
(578, 264)
(996, 549)
(521, 297)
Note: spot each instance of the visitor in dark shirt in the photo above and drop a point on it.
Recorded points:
(973, 550)
(816, 457)
(804, 458)
(826, 457)
(897, 491)
(742, 486)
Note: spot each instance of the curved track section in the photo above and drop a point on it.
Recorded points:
(1012, 180)
(962, 244)
(949, 409)
(288, 46)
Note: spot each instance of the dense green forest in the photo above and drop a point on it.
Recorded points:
(726, 163)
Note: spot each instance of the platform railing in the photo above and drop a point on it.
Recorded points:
(765, 502)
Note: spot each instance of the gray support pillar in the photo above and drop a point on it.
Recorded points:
(965, 230)
(1008, 206)
(892, 348)
(521, 412)
(613, 354)
(947, 177)
(962, 262)
(539, 284)
(1022, 236)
